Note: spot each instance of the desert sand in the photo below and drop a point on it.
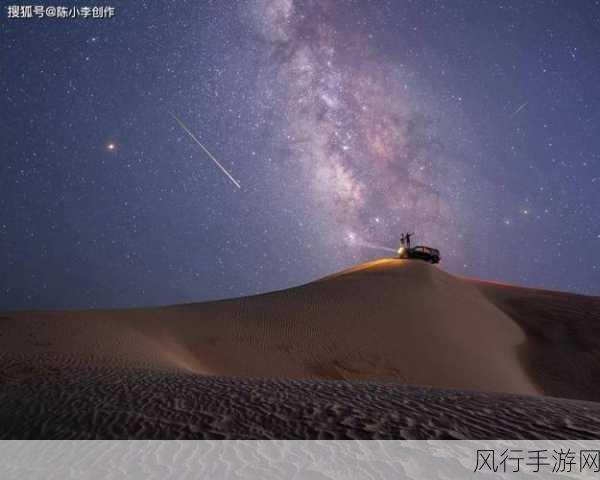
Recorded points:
(387, 349)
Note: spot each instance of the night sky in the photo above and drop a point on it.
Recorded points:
(474, 124)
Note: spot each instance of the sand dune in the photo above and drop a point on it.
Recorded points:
(388, 322)
(562, 351)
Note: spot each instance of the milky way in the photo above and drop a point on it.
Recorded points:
(371, 157)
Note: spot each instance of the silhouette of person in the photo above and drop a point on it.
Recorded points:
(402, 240)
(408, 235)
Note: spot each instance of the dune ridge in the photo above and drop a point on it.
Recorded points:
(388, 324)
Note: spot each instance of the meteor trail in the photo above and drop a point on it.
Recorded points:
(519, 109)
(182, 125)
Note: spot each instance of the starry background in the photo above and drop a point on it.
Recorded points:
(475, 125)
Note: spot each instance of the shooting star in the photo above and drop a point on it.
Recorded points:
(187, 130)
(518, 109)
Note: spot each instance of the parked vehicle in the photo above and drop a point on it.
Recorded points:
(420, 252)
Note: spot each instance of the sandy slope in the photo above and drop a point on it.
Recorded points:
(385, 321)
(562, 352)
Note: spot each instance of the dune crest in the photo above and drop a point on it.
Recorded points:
(388, 320)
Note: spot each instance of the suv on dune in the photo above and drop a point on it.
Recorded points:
(420, 252)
